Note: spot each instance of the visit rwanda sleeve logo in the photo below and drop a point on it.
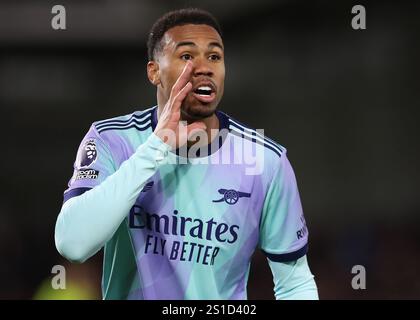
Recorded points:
(87, 154)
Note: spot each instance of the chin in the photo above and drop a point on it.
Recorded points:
(198, 110)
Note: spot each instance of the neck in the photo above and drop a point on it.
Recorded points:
(211, 122)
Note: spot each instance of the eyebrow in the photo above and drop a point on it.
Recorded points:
(192, 44)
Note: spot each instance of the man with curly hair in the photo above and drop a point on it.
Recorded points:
(159, 191)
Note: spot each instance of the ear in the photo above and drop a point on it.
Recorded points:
(153, 72)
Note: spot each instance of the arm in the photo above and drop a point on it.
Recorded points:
(293, 280)
(284, 236)
(88, 221)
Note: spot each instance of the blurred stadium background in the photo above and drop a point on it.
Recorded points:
(345, 103)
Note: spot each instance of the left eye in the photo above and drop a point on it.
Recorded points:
(214, 57)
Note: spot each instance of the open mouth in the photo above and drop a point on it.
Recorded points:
(204, 93)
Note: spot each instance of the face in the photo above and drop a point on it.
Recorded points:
(203, 46)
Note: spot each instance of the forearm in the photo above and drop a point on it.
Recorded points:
(88, 221)
(293, 280)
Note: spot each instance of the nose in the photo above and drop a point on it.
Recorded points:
(202, 67)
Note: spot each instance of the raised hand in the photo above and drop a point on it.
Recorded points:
(169, 127)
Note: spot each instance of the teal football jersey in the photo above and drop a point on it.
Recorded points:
(198, 220)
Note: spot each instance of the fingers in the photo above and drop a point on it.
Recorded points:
(177, 101)
(183, 79)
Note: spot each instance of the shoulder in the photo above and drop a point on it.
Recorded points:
(140, 120)
(272, 149)
(121, 133)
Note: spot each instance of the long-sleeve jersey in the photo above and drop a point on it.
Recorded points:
(184, 224)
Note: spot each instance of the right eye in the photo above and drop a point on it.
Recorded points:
(186, 56)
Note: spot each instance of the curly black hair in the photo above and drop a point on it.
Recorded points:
(177, 18)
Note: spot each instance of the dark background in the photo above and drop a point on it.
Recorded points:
(345, 103)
